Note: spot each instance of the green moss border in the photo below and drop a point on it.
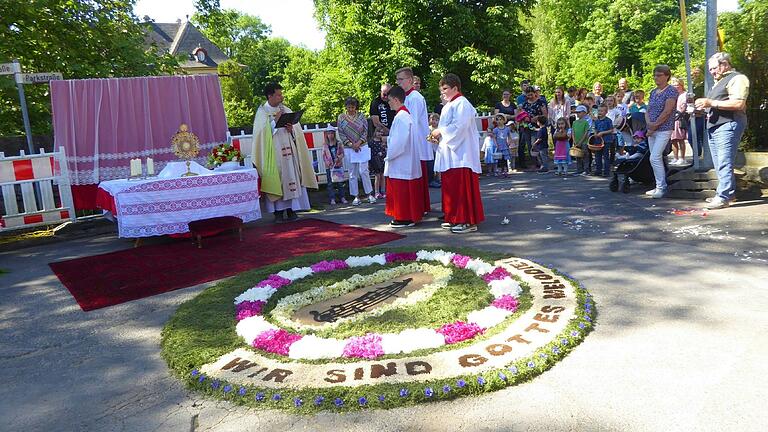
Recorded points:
(202, 329)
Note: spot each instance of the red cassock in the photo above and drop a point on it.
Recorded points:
(461, 196)
(402, 170)
(425, 184)
(405, 199)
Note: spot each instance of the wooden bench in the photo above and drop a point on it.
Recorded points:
(210, 227)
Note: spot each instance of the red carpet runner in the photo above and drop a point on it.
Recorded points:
(109, 279)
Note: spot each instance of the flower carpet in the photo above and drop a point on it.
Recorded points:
(477, 322)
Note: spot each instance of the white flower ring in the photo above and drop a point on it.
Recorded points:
(260, 333)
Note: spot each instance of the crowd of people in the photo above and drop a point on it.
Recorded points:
(409, 150)
(593, 131)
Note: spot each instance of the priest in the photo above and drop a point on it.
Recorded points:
(282, 159)
(417, 106)
(458, 159)
(402, 167)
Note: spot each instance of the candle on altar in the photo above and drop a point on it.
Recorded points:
(135, 167)
(150, 166)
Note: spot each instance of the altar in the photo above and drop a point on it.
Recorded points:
(166, 204)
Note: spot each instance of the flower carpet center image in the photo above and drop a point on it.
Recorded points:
(381, 329)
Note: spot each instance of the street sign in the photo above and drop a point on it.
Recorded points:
(8, 69)
(34, 78)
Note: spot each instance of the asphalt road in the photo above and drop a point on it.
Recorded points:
(679, 343)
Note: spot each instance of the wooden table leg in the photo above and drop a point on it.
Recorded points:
(240, 230)
(137, 243)
(199, 241)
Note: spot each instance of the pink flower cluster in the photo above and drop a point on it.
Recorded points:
(276, 341)
(497, 274)
(329, 266)
(506, 302)
(399, 256)
(368, 346)
(249, 308)
(460, 261)
(274, 281)
(459, 331)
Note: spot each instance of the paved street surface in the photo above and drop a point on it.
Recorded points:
(679, 342)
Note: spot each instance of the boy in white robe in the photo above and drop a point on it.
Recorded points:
(458, 159)
(402, 167)
(417, 106)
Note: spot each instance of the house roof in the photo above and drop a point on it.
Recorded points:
(184, 38)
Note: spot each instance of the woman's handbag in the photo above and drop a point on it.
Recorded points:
(337, 175)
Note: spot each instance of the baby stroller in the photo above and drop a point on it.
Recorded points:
(637, 165)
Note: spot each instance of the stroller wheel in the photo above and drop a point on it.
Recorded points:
(614, 186)
(625, 185)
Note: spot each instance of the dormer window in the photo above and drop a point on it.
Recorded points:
(200, 54)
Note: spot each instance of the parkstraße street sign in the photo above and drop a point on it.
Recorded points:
(34, 78)
(8, 69)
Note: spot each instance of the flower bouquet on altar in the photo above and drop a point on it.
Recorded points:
(224, 156)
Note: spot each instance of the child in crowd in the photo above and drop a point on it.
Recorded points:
(614, 113)
(560, 136)
(333, 157)
(501, 133)
(604, 129)
(378, 147)
(580, 137)
(489, 149)
(589, 103)
(514, 142)
(541, 145)
(434, 120)
(638, 103)
(638, 148)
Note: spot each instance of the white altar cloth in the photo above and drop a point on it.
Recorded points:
(166, 205)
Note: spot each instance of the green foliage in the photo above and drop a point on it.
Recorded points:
(237, 94)
(746, 40)
(579, 42)
(479, 41)
(233, 32)
(80, 39)
(667, 48)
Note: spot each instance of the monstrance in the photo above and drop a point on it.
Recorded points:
(186, 146)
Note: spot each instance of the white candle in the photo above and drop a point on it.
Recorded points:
(150, 166)
(135, 167)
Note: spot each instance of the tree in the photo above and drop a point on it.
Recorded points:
(77, 38)
(747, 41)
(233, 32)
(237, 94)
(578, 42)
(480, 41)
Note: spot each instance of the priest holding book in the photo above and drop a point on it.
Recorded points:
(402, 167)
(458, 159)
(282, 158)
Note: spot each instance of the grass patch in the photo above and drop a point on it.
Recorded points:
(203, 329)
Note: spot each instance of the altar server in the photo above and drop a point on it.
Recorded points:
(282, 159)
(417, 106)
(458, 159)
(402, 167)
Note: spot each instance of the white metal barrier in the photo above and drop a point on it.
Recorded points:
(314, 138)
(33, 177)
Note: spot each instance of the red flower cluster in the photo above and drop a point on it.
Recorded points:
(224, 153)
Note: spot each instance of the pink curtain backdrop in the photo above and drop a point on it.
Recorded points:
(103, 123)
